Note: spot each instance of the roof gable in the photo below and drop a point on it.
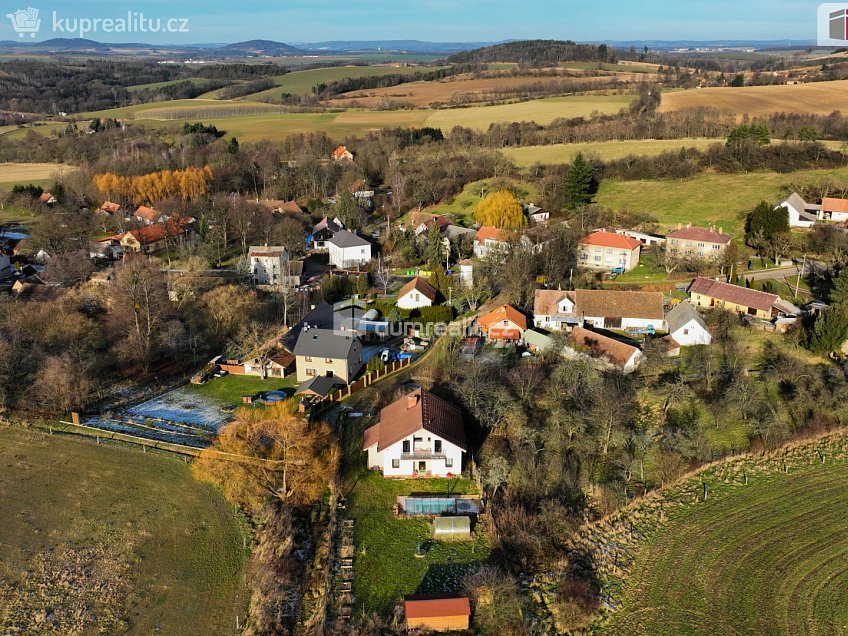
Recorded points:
(415, 411)
(505, 312)
(681, 315)
(421, 286)
(610, 239)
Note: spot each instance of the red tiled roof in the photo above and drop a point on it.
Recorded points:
(609, 349)
(607, 303)
(489, 233)
(831, 204)
(340, 151)
(436, 606)
(423, 218)
(735, 294)
(420, 285)
(45, 197)
(413, 412)
(505, 312)
(156, 232)
(609, 239)
(702, 234)
(148, 214)
(111, 208)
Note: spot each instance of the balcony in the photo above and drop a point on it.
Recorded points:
(421, 452)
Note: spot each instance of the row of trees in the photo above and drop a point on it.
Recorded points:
(189, 183)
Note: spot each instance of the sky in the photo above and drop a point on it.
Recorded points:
(214, 21)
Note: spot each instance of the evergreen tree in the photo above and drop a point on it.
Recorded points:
(839, 293)
(434, 250)
(829, 331)
(580, 184)
(233, 146)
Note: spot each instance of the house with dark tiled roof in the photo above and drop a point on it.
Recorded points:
(325, 352)
(608, 251)
(419, 435)
(697, 242)
(706, 292)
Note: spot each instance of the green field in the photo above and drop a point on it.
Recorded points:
(302, 82)
(111, 540)
(722, 199)
(605, 150)
(766, 558)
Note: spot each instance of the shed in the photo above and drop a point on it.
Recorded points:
(438, 613)
(452, 528)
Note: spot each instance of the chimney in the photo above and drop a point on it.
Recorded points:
(688, 225)
(721, 230)
(412, 400)
(679, 226)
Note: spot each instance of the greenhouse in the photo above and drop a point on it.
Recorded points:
(452, 528)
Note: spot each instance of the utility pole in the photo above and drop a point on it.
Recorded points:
(801, 273)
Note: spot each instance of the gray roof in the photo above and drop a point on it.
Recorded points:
(320, 385)
(536, 339)
(321, 317)
(455, 231)
(348, 239)
(324, 343)
(681, 315)
(798, 202)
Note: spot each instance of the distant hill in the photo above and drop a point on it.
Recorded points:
(260, 47)
(536, 53)
(67, 44)
(392, 46)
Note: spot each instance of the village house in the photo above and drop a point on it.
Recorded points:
(419, 435)
(268, 264)
(324, 352)
(420, 222)
(607, 350)
(706, 292)
(535, 213)
(342, 154)
(417, 293)
(110, 208)
(148, 216)
(323, 232)
(646, 239)
(466, 272)
(504, 324)
(488, 240)
(437, 613)
(47, 199)
(152, 238)
(348, 250)
(833, 209)
(697, 242)
(686, 326)
(278, 206)
(276, 363)
(801, 213)
(604, 309)
(607, 251)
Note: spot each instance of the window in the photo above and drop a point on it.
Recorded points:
(311, 373)
(309, 358)
(328, 360)
(716, 247)
(598, 259)
(406, 446)
(686, 332)
(395, 463)
(448, 462)
(700, 245)
(437, 446)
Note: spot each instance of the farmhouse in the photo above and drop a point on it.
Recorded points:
(644, 238)
(607, 251)
(801, 213)
(604, 309)
(833, 209)
(278, 206)
(504, 324)
(417, 293)
(324, 352)
(705, 292)
(323, 232)
(687, 327)
(437, 613)
(607, 350)
(148, 216)
(277, 363)
(420, 222)
(698, 242)
(151, 238)
(348, 250)
(47, 199)
(342, 154)
(489, 239)
(536, 214)
(419, 435)
(268, 264)
(109, 208)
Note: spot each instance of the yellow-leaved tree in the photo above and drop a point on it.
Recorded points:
(270, 453)
(501, 210)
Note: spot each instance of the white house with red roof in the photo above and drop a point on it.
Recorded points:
(608, 251)
(417, 293)
(419, 435)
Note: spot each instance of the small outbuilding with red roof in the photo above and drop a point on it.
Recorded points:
(437, 612)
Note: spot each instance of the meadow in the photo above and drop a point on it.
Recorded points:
(35, 173)
(720, 199)
(821, 98)
(106, 539)
(526, 156)
(763, 558)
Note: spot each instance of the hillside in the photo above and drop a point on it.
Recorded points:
(260, 47)
(535, 53)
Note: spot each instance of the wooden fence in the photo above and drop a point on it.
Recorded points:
(365, 381)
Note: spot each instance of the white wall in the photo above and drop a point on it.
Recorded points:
(407, 467)
(697, 335)
(349, 256)
(413, 300)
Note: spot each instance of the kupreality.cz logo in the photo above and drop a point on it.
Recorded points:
(28, 22)
(832, 24)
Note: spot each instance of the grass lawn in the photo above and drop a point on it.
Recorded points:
(228, 390)
(463, 205)
(722, 199)
(112, 532)
(606, 150)
(763, 558)
(385, 565)
(36, 173)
